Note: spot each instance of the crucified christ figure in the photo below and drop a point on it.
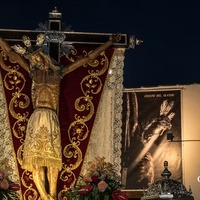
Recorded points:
(42, 146)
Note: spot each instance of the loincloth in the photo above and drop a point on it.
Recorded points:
(42, 146)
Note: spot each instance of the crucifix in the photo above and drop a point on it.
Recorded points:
(54, 28)
(39, 152)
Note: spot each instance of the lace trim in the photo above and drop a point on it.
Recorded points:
(7, 157)
(105, 138)
(115, 84)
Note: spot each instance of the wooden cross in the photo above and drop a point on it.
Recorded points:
(15, 36)
(56, 36)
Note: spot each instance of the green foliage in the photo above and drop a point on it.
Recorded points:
(8, 195)
(101, 182)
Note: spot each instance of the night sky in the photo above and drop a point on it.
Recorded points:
(170, 30)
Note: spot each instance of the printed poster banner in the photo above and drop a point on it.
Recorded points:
(147, 118)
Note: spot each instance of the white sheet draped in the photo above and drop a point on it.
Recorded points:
(105, 138)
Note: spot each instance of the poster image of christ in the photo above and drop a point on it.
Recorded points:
(147, 117)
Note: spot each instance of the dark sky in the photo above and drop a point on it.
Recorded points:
(170, 54)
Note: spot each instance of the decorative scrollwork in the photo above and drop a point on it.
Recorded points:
(91, 85)
(72, 152)
(14, 80)
(68, 175)
(84, 104)
(19, 127)
(19, 101)
(30, 193)
(102, 63)
(78, 131)
(26, 177)
(70, 56)
(19, 154)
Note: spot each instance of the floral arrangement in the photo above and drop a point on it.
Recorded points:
(8, 189)
(101, 182)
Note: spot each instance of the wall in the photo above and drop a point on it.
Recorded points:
(191, 131)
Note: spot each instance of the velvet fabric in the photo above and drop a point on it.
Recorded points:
(80, 92)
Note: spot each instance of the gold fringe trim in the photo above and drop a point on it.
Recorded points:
(40, 161)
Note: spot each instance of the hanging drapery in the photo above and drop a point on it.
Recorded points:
(15, 110)
(105, 140)
(81, 91)
(8, 162)
(79, 100)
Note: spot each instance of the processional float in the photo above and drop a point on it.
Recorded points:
(79, 100)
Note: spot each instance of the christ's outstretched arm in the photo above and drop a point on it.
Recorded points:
(13, 56)
(92, 55)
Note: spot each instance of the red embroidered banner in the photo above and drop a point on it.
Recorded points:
(17, 89)
(80, 92)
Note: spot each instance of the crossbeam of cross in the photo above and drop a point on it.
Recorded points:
(14, 36)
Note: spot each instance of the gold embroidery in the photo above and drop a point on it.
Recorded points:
(30, 192)
(78, 130)
(14, 81)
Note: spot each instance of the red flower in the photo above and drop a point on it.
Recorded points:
(86, 189)
(95, 179)
(4, 184)
(119, 195)
(14, 186)
(102, 185)
(87, 179)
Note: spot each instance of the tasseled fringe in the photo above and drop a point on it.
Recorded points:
(28, 163)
